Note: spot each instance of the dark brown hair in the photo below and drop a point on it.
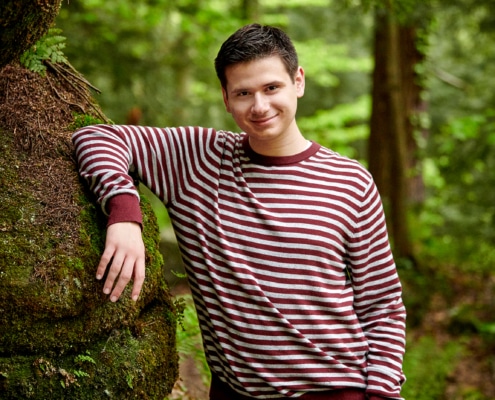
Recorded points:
(253, 42)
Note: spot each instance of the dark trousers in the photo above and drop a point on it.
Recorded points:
(222, 391)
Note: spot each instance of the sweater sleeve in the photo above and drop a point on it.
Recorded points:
(378, 298)
(105, 160)
(124, 208)
(111, 157)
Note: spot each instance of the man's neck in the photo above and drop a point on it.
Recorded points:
(279, 149)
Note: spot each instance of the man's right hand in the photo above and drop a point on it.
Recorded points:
(124, 256)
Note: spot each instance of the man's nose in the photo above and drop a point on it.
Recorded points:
(260, 104)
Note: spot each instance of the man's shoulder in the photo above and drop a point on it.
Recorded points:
(341, 162)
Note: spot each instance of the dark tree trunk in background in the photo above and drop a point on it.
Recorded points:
(250, 10)
(22, 23)
(392, 144)
(414, 105)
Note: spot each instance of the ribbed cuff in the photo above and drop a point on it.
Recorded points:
(124, 208)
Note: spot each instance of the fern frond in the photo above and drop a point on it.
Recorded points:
(49, 48)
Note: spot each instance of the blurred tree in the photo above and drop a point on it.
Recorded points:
(396, 104)
(250, 10)
(387, 144)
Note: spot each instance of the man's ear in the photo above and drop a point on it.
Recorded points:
(300, 82)
(225, 99)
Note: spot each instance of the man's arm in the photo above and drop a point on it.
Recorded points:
(106, 154)
(103, 161)
(377, 298)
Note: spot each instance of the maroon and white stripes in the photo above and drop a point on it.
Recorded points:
(288, 257)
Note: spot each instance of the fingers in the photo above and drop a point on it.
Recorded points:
(124, 257)
(121, 271)
(139, 275)
(105, 260)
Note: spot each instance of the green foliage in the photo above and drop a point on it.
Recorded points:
(339, 128)
(48, 48)
(189, 338)
(80, 373)
(80, 360)
(461, 183)
(323, 69)
(84, 358)
(427, 365)
(455, 224)
(125, 49)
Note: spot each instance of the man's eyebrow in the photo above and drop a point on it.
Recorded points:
(265, 85)
(275, 83)
(239, 90)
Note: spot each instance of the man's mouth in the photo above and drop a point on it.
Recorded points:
(262, 121)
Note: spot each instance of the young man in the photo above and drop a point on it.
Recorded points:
(284, 241)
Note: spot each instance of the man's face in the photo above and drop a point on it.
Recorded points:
(262, 98)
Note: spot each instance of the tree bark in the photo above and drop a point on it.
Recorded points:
(22, 23)
(392, 147)
(59, 336)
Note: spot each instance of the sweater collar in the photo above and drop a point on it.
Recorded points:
(261, 159)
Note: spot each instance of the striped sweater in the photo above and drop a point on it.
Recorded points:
(288, 258)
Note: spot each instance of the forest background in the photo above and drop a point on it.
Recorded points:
(153, 62)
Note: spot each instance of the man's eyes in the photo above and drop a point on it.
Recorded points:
(270, 88)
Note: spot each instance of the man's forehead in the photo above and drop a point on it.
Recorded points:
(261, 71)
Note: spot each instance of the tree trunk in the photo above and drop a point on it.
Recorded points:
(392, 146)
(60, 337)
(250, 10)
(414, 106)
(22, 23)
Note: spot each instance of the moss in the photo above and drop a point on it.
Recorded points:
(68, 291)
(64, 312)
(82, 120)
(124, 364)
(52, 309)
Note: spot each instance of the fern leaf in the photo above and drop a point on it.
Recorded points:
(49, 48)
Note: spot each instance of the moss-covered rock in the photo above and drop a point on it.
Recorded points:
(60, 337)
